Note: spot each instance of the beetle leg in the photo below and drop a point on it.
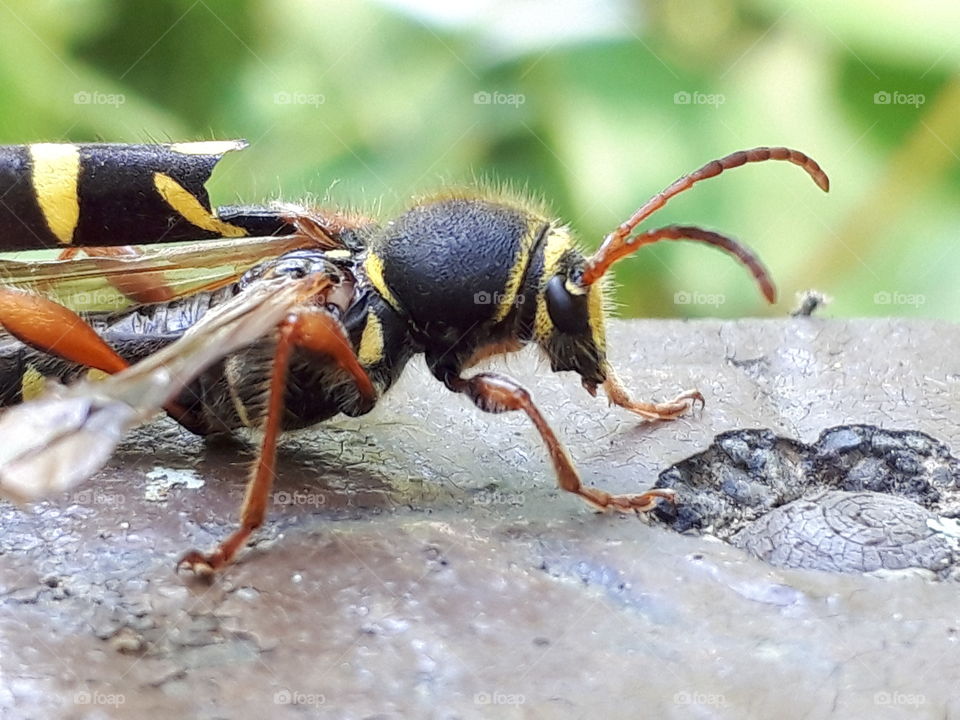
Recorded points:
(670, 410)
(496, 394)
(51, 328)
(308, 328)
(316, 330)
(56, 330)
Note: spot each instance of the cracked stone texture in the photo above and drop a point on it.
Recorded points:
(859, 499)
(419, 562)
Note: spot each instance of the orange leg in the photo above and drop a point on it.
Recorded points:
(53, 329)
(496, 394)
(316, 331)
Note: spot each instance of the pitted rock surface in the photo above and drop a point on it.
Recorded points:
(421, 562)
(860, 499)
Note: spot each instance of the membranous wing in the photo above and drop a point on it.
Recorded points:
(55, 442)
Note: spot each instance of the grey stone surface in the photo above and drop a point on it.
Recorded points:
(420, 562)
(851, 532)
(859, 499)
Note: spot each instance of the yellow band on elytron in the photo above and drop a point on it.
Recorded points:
(180, 199)
(56, 169)
(371, 342)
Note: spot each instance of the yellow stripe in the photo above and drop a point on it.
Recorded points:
(191, 209)
(558, 242)
(32, 384)
(373, 266)
(208, 147)
(371, 342)
(517, 270)
(96, 375)
(597, 320)
(56, 170)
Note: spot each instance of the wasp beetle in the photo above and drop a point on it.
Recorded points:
(459, 277)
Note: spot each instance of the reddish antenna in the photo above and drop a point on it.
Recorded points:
(619, 243)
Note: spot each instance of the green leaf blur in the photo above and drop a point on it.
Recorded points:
(368, 104)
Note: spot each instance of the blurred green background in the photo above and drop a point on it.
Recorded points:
(592, 105)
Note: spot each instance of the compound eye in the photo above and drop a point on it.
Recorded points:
(568, 312)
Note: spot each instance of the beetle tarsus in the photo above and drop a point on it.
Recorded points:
(671, 410)
(497, 393)
(644, 502)
(312, 329)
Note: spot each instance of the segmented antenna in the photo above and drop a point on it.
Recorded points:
(619, 244)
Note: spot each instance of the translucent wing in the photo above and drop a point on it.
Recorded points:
(54, 443)
(129, 277)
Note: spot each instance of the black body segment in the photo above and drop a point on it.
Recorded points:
(22, 224)
(256, 220)
(102, 194)
(456, 268)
